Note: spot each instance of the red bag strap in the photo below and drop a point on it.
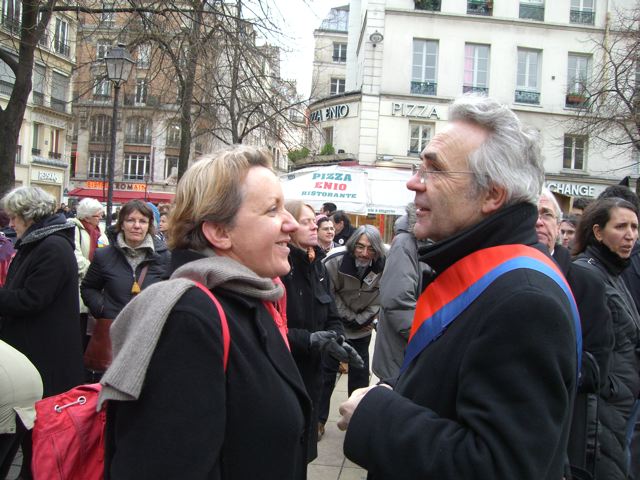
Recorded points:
(226, 337)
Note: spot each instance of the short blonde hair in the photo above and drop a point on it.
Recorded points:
(29, 203)
(211, 191)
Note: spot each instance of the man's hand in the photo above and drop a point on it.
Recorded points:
(348, 407)
(319, 340)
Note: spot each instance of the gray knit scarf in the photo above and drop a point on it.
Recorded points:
(43, 232)
(136, 330)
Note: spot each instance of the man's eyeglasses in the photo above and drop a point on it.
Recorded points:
(547, 215)
(361, 248)
(424, 174)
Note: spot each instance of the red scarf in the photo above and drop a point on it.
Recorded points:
(94, 235)
(278, 311)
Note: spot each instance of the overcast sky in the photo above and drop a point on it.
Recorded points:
(300, 18)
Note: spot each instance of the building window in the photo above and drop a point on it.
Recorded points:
(578, 70)
(419, 136)
(141, 91)
(479, 7)
(532, 10)
(102, 89)
(138, 131)
(173, 135)
(7, 78)
(136, 167)
(100, 129)
(528, 77)
(11, 14)
(61, 38)
(35, 139)
(339, 52)
(107, 17)
(430, 5)
(102, 48)
(170, 167)
(39, 72)
(424, 71)
(476, 68)
(583, 12)
(144, 56)
(575, 152)
(97, 165)
(59, 89)
(337, 86)
(54, 143)
(327, 133)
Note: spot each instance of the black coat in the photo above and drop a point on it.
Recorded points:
(310, 308)
(39, 305)
(623, 380)
(192, 422)
(491, 397)
(106, 287)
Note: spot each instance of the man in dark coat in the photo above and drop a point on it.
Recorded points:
(490, 397)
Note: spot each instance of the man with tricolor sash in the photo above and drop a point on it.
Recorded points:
(491, 367)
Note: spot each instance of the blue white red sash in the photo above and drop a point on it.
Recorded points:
(460, 284)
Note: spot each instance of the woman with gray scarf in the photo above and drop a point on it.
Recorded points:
(173, 406)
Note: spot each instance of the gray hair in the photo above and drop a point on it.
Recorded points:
(29, 203)
(373, 235)
(88, 207)
(510, 157)
(546, 193)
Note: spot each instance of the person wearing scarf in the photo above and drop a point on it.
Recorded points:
(174, 403)
(605, 237)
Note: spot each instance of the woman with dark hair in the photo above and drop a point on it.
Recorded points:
(604, 239)
(39, 314)
(120, 271)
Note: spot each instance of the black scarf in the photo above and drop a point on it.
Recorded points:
(613, 262)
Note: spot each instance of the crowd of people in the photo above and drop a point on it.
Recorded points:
(507, 333)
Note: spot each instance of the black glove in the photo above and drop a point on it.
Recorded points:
(336, 352)
(319, 340)
(355, 360)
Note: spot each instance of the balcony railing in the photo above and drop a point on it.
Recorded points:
(59, 105)
(138, 139)
(424, 88)
(101, 97)
(105, 138)
(576, 100)
(531, 11)
(339, 59)
(474, 89)
(527, 96)
(35, 151)
(430, 5)
(585, 17)
(55, 155)
(6, 88)
(38, 98)
(61, 47)
(476, 7)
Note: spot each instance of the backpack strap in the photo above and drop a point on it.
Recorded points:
(226, 337)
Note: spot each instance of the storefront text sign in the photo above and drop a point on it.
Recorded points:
(329, 113)
(575, 189)
(135, 187)
(46, 176)
(415, 110)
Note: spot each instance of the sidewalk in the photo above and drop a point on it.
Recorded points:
(331, 463)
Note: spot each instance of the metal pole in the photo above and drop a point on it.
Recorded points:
(112, 160)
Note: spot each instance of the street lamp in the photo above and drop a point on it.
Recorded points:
(119, 65)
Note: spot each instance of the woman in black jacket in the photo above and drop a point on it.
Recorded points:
(39, 311)
(605, 237)
(312, 318)
(120, 271)
(177, 408)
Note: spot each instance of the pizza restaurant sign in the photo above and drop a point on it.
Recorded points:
(333, 112)
(135, 187)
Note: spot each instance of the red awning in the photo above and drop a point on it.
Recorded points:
(122, 196)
